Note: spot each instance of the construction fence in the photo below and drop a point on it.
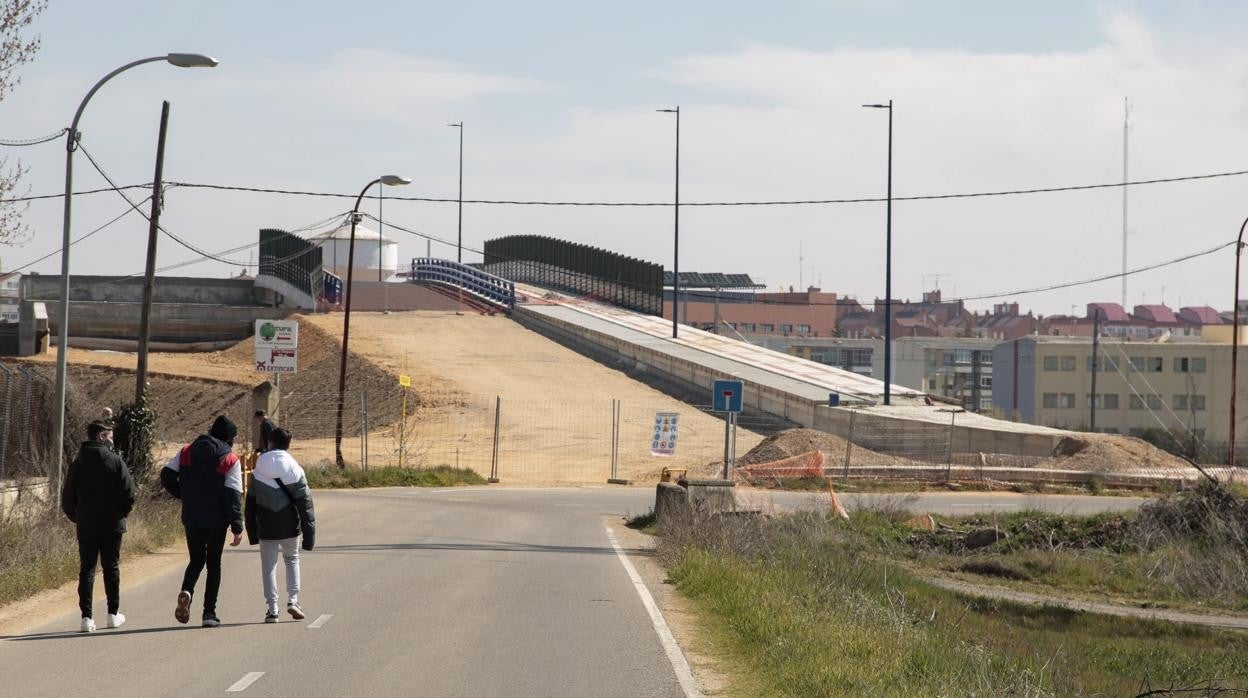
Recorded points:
(25, 421)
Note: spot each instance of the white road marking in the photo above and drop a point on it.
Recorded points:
(320, 621)
(988, 504)
(679, 664)
(242, 684)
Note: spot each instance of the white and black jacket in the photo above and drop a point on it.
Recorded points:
(279, 503)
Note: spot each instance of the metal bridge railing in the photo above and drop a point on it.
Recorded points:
(484, 285)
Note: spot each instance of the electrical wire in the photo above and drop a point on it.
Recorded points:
(161, 228)
(19, 143)
(133, 207)
(797, 202)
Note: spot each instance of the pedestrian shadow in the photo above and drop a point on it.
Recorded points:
(102, 633)
(478, 546)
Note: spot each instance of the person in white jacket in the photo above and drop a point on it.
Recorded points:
(278, 513)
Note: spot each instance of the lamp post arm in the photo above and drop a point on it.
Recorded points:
(346, 328)
(72, 141)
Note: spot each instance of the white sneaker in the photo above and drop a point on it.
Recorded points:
(88, 626)
(115, 620)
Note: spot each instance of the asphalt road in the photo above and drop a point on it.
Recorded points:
(468, 592)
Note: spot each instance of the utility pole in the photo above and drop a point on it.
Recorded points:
(1096, 345)
(676, 234)
(888, 261)
(149, 277)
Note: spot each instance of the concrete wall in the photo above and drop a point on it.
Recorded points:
(816, 415)
(168, 289)
(170, 322)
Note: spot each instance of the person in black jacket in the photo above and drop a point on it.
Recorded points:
(208, 478)
(279, 510)
(98, 496)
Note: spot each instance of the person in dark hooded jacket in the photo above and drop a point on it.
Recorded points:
(98, 496)
(208, 478)
(279, 512)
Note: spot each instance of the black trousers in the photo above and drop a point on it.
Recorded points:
(107, 551)
(205, 546)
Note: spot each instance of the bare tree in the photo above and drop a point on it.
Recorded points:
(15, 51)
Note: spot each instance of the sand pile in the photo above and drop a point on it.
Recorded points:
(1110, 453)
(792, 442)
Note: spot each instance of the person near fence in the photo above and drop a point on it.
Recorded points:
(279, 513)
(207, 476)
(263, 431)
(98, 496)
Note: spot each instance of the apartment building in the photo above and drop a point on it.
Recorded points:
(10, 296)
(954, 368)
(1181, 385)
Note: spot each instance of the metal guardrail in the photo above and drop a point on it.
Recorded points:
(483, 285)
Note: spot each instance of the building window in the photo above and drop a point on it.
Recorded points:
(1183, 364)
(1197, 403)
(1066, 401)
(1110, 401)
(1135, 402)
(764, 327)
(1198, 364)
(786, 328)
(1156, 364)
(985, 404)
(1068, 363)
(747, 327)
(985, 381)
(1179, 402)
(962, 357)
(804, 329)
(931, 383)
(1153, 401)
(1049, 400)
(1050, 363)
(1107, 363)
(1137, 363)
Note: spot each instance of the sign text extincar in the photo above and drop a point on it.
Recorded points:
(277, 346)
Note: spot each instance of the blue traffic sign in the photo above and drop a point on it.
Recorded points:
(727, 396)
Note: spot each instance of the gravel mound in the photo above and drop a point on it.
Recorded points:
(793, 442)
(1107, 453)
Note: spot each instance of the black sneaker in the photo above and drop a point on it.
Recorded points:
(183, 612)
(270, 617)
(211, 620)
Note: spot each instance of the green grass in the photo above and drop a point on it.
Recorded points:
(353, 478)
(41, 552)
(647, 523)
(807, 605)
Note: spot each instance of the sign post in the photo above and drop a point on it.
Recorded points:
(728, 398)
(405, 382)
(277, 351)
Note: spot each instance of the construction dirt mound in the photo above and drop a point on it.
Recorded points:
(185, 406)
(793, 442)
(1108, 453)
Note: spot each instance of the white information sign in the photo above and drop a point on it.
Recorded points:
(277, 346)
(664, 441)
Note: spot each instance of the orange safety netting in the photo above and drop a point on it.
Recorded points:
(809, 464)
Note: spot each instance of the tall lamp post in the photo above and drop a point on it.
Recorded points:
(181, 60)
(676, 235)
(1239, 248)
(459, 240)
(888, 261)
(390, 181)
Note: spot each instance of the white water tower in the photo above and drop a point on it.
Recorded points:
(372, 251)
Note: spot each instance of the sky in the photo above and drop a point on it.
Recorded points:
(558, 101)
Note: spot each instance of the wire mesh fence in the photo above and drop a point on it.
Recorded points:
(26, 423)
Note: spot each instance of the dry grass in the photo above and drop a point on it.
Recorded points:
(41, 552)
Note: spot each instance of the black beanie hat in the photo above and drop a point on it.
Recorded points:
(223, 428)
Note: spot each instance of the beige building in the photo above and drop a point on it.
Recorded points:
(1179, 386)
(955, 368)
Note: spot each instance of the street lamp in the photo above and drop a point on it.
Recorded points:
(888, 261)
(1239, 248)
(676, 238)
(390, 181)
(459, 244)
(181, 60)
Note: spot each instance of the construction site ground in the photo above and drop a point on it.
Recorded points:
(557, 415)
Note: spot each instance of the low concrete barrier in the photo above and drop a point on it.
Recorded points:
(712, 496)
(24, 497)
(669, 499)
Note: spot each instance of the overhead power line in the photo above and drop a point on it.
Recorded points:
(797, 202)
(18, 143)
(642, 204)
(132, 207)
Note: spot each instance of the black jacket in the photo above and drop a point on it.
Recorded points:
(98, 493)
(272, 515)
(207, 477)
